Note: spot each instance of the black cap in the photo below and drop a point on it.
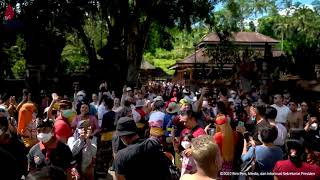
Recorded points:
(126, 126)
(44, 123)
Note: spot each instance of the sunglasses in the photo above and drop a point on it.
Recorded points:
(2, 110)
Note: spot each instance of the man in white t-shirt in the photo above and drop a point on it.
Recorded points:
(95, 101)
(282, 110)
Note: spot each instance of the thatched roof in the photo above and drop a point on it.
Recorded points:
(202, 57)
(145, 65)
(240, 38)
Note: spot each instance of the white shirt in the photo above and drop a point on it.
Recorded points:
(136, 116)
(89, 151)
(282, 113)
(282, 135)
(156, 119)
(101, 111)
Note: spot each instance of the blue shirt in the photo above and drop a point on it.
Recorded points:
(168, 123)
(265, 156)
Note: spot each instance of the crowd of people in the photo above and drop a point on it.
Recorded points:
(160, 131)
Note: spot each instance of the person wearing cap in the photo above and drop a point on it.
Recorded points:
(127, 93)
(141, 159)
(84, 149)
(62, 126)
(80, 99)
(295, 165)
(168, 120)
(14, 147)
(50, 151)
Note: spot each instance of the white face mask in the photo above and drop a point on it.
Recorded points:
(186, 144)
(205, 104)
(44, 137)
(314, 126)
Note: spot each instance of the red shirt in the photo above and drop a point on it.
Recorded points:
(62, 129)
(305, 172)
(218, 138)
(198, 132)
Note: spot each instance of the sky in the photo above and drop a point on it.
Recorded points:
(307, 2)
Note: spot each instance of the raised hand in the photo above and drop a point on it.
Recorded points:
(82, 134)
(55, 97)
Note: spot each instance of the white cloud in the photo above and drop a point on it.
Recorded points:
(291, 10)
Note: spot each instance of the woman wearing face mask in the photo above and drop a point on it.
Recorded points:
(84, 116)
(266, 154)
(312, 138)
(84, 149)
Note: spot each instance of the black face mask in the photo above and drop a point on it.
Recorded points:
(295, 160)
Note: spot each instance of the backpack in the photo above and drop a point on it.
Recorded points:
(174, 172)
(251, 166)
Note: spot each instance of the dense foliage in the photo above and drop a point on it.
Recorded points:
(84, 36)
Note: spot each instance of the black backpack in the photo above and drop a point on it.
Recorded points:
(174, 172)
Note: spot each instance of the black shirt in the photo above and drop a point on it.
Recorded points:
(143, 161)
(8, 165)
(108, 122)
(60, 156)
(257, 128)
(17, 149)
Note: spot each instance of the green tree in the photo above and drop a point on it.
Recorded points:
(129, 24)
